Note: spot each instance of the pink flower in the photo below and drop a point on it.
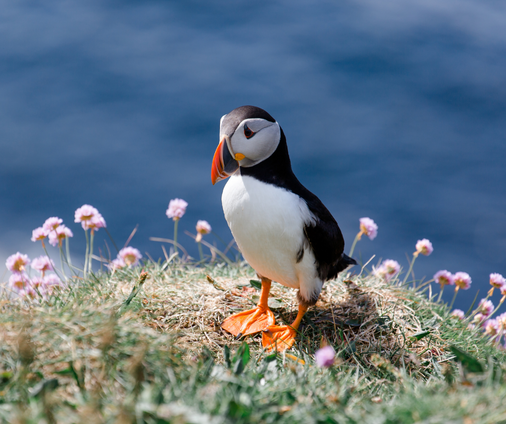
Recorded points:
(27, 292)
(501, 319)
(458, 313)
(85, 213)
(89, 217)
(486, 307)
(379, 272)
(392, 267)
(37, 283)
(19, 281)
(116, 264)
(497, 280)
(17, 262)
(444, 278)
(388, 269)
(130, 256)
(44, 286)
(52, 223)
(325, 357)
(462, 280)
(202, 227)
(492, 327)
(61, 233)
(503, 290)
(42, 264)
(39, 234)
(424, 247)
(95, 223)
(177, 208)
(41, 286)
(52, 280)
(479, 318)
(368, 227)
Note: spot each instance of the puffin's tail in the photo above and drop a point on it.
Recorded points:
(344, 262)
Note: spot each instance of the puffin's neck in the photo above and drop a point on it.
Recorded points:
(276, 169)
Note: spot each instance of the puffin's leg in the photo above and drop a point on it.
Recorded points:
(253, 320)
(281, 337)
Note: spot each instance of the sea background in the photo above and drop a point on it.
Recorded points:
(392, 110)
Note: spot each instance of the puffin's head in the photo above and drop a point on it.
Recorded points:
(248, 135)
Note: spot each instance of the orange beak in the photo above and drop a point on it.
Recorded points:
(224, 163)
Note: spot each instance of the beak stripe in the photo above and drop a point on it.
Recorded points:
(224, 163)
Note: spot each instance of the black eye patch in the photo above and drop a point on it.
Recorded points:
(247, 132)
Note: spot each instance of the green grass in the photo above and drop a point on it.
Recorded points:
(88, 356)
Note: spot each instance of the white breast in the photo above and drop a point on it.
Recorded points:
(267, 223)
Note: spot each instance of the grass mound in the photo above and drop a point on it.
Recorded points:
(110, 349)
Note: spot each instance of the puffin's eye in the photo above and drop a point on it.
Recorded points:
(247, 132)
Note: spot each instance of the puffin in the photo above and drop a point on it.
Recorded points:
(282, 229)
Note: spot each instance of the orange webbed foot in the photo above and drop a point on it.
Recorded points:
(282, 337)
(278, 337)
(249, 322)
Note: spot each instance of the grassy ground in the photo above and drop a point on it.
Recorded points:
(90, 355)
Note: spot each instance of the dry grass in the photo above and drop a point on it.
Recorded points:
(364, 317)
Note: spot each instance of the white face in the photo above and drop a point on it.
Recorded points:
(253, 141)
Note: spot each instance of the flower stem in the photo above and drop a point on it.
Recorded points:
(176, 221)
(68, 261)
(85, 271)
(92, 236)
(357, 238)
(47, 254)
(200, 252)
(62, 260)
(440, 294)
(454, 296)
(67, 248)
(410, 268)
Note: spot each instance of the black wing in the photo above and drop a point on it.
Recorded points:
(325, 239)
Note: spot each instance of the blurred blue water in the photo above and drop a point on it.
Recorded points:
(394, 111)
